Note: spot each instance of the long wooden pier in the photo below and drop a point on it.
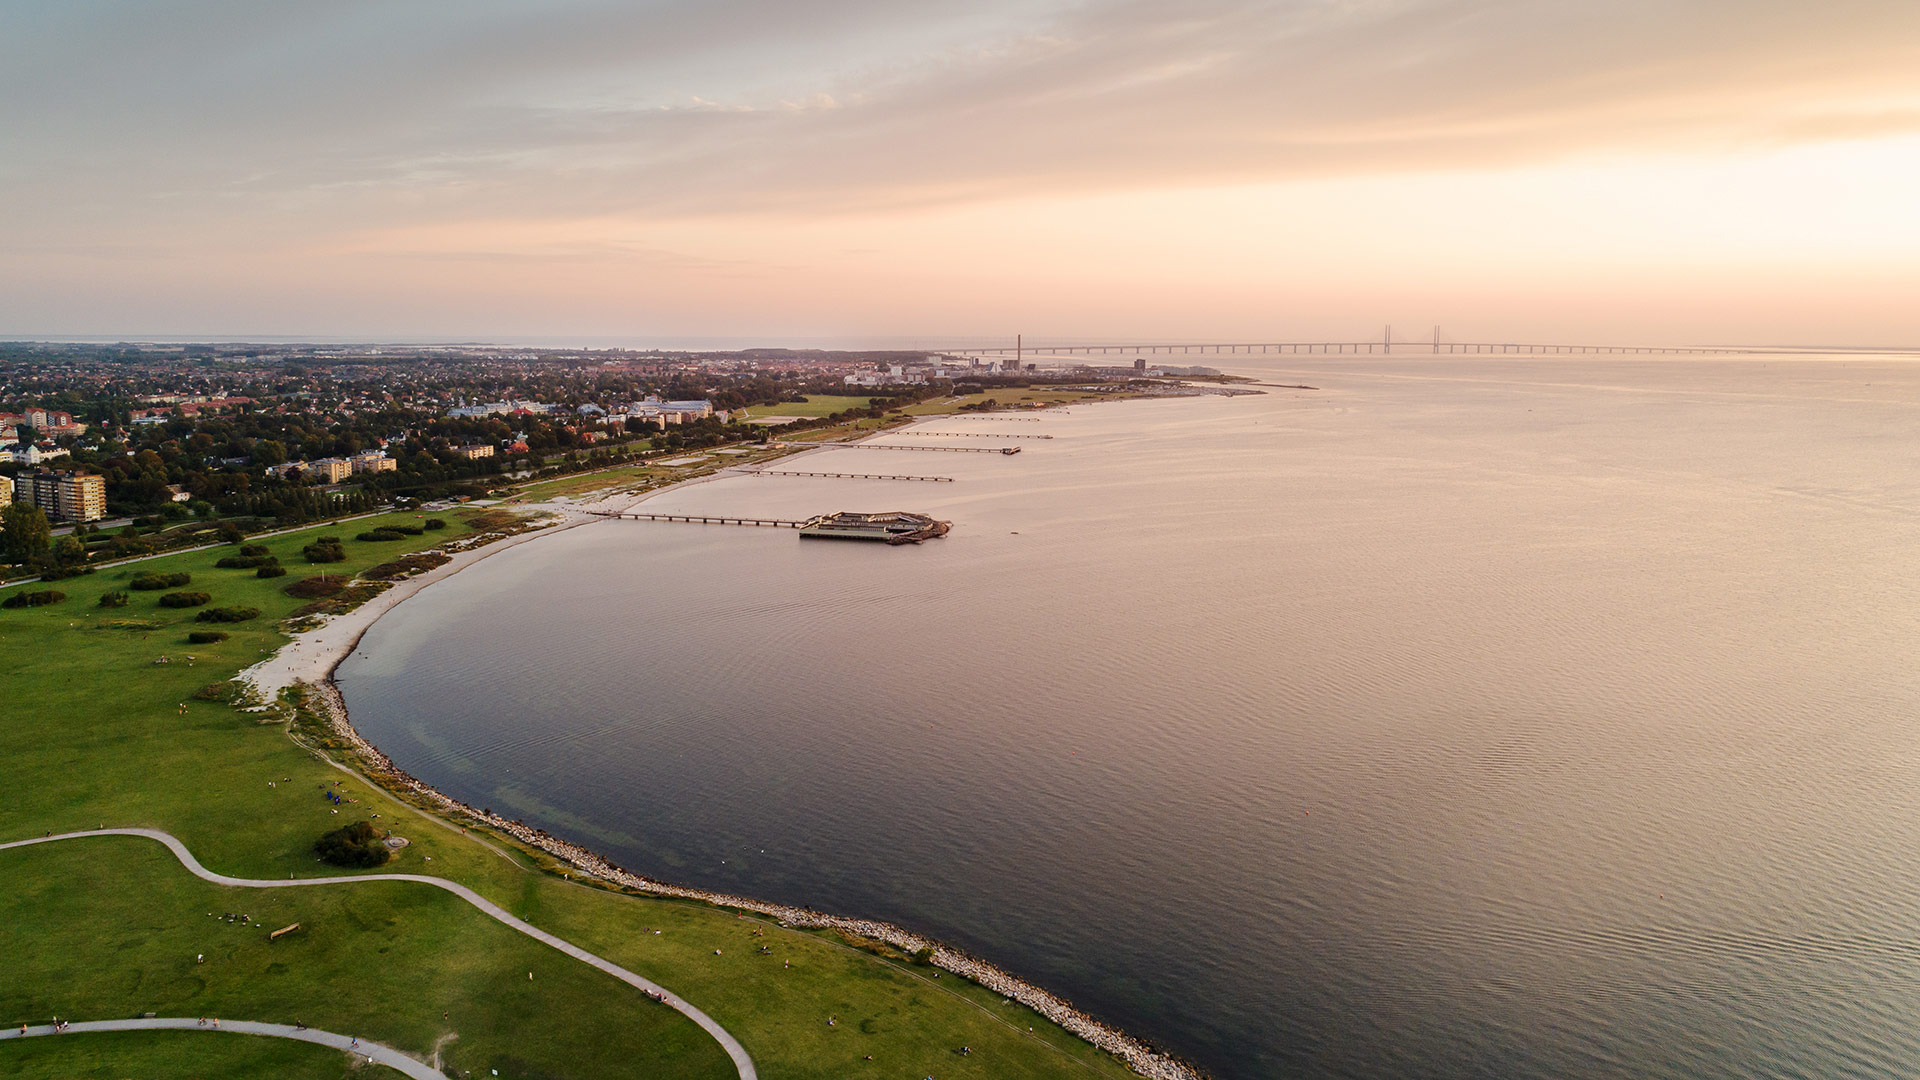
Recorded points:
(851, 475)
(970, 435)
(940, 449)
(996, 416)
(712, 519)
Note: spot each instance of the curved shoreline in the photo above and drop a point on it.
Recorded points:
(336, 647)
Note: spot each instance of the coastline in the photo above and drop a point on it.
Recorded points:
(313, 656)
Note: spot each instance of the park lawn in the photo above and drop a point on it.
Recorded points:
(94, 733)
(115, 1055)
(112, 926)
(815, 405)
(622, 476)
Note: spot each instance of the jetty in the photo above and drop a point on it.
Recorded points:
(971, 435)
(851, 475)
(709, 519)
(937, 449)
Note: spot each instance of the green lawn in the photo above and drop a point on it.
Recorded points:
(815, 405)
(191, 1055)
(93, 733)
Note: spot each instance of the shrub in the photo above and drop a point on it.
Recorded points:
(227, 614)
(254, 549)
(352, 845)
(405, 530)
(379, 535)
(434, 523)
(270, 569)
(310, 588)
(62, 573)
(205, 637)
(240, 562)
(325, 550)
(114, 599)
(219, 691)
(184, 599)
(34, 599)
(153, 582)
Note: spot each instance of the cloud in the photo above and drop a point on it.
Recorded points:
(371, 114)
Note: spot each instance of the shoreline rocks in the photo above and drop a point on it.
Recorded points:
(1140, 1057)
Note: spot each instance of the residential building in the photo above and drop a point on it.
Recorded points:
(474, 451)
(329, 470)
(373, 461)
(64, 496)
(6, 490)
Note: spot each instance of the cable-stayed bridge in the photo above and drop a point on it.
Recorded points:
(1379, 347)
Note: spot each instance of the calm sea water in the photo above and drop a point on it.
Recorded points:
(1462, 718)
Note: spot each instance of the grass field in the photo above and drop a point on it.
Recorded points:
(94, 732)
(116, 1055)
(815, 405)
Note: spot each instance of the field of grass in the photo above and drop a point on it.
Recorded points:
(815, 405)
(94, 732)
(115, 1055)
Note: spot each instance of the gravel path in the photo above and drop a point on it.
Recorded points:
(727, 1042)
(384, 1055)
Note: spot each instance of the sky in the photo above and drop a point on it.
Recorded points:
(806, 171)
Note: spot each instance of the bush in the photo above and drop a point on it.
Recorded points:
(205, 637)
(270, 569)
(352, 845)
(114, 599)
(380, 535)
(33, 599)
(227, 614)
(254, 549)
(184, 599)
(434, 523)
(219, 691)
(241, 562)
(325, 550)
(153, 582)
(405, 530)
(314, 587)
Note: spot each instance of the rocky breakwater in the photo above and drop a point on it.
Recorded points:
(1142, 1058)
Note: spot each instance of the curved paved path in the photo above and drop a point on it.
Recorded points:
(385, 1055)
(727, 1042)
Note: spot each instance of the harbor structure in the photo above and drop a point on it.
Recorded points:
(892, 527)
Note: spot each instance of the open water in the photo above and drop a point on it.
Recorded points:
(1465, 717)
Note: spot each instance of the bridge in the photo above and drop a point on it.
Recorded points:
(1384, 346)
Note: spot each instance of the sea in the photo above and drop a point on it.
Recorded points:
(1460, 716)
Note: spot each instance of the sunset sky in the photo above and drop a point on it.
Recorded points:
(779, 171)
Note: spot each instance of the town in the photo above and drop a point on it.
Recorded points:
(117, 451)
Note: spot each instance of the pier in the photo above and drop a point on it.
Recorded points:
(711, 519)
(852, 476)
(941, 449)
(970, 435)
(1009, 419)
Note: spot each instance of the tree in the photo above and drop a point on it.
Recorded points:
(269, 452)
(24, 532)
(69, 551)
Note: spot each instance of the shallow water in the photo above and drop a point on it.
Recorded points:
(1465, 717)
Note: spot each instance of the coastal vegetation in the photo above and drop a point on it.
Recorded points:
(109, 724)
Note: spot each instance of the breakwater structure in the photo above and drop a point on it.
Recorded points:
(849, 475)
(1140, 1057)
(971, 435)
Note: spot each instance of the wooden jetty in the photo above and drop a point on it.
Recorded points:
(970, 435)
(942, 449)
(711, 519)
(852, 475)
(1009, 419)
